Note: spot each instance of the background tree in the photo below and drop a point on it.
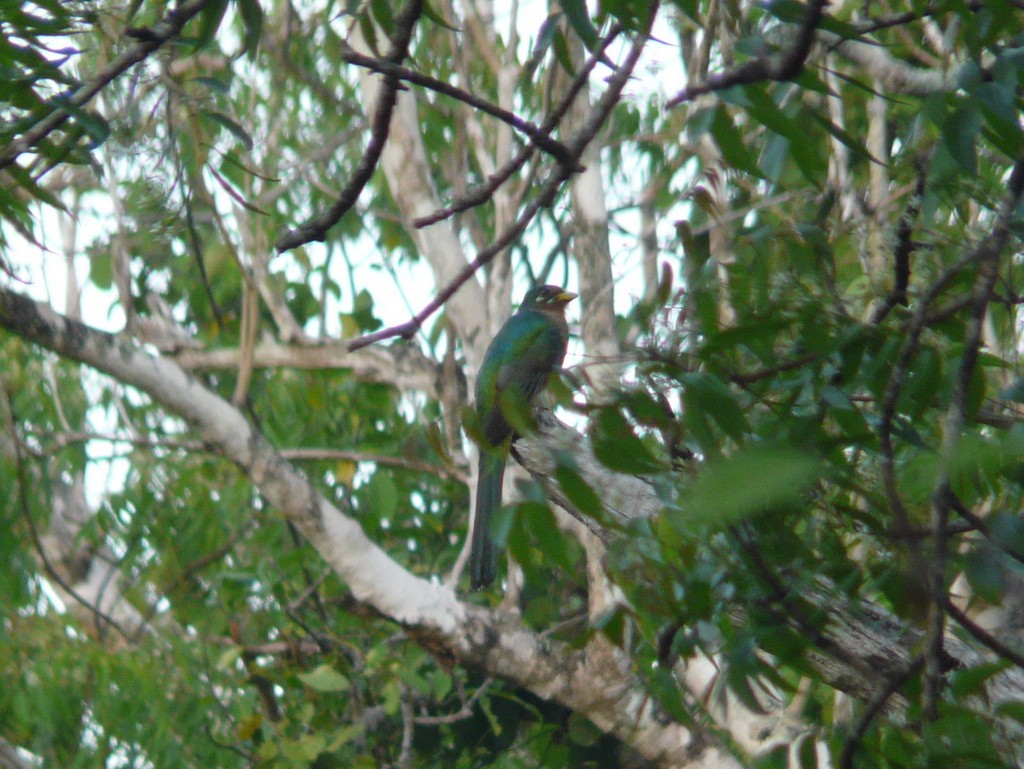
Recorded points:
(236, 482)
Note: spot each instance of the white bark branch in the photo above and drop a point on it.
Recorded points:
(402, 365)
(596, 681)
(404, 161)
(894, 76)
(861, 646)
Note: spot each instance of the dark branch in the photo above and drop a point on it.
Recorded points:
(905, 246)
(483, 192)
(537, 135)
(387, 95)
(983, 636)
(543, 198)
(771, 67)
(874, 708)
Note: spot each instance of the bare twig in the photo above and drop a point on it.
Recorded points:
(483, 192)
(978, 523)
(983, 636)
(466, 711)
(537, 135)
(380, 459)
(387, 96)
(543, 198)
(404, 760)
(904, 248)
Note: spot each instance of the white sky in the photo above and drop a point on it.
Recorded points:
(46, 275)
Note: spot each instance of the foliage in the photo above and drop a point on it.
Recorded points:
(821, 386)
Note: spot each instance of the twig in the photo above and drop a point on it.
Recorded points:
(867, 26)
(150, 39)
(979, 524)
(191, 570)
(779, 68)
(983, 636)
(466, 711)
(380, 459)
(874, 708)
(537, 135)
(387, 96)
(482, 193)
(543, 199)
(904, 248)
(404, 760)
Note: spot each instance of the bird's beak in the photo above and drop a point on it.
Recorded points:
(566, 296)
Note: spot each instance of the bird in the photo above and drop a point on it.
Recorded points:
(515, 368)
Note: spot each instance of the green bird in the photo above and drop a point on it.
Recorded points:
(530, 346)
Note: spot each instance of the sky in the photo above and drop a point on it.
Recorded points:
(44, 267)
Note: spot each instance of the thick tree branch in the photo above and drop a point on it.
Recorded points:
(861, 647)
(595, 681)
(892, 75)
(401, 365)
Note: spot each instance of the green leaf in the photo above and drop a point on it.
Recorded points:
(713, 397)
(432, 14)
(1014, 709)
(101, 269)
(562, 52)
(730, 142)
(210, 19)
(228, 657)
(579, 19)
(618, 447)
(382, 495)
(234, 128)
(325, 678)
(540, 522)
(960, 132)
(755, 479)
(305, 749)
(971, 681)
(579, 492)
(252, 24)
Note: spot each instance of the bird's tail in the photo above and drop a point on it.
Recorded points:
(483, 558)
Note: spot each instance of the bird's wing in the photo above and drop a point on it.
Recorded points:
(536, 349)
(526, 349)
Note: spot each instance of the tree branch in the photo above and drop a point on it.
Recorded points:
(544, 197)
(401, 365)
(769, 67)
(861, 646)
(596, 681)
(150, 39)
(537, 134)
(483, 192)
(316, 228)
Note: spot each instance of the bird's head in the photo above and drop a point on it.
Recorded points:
(547, 298)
